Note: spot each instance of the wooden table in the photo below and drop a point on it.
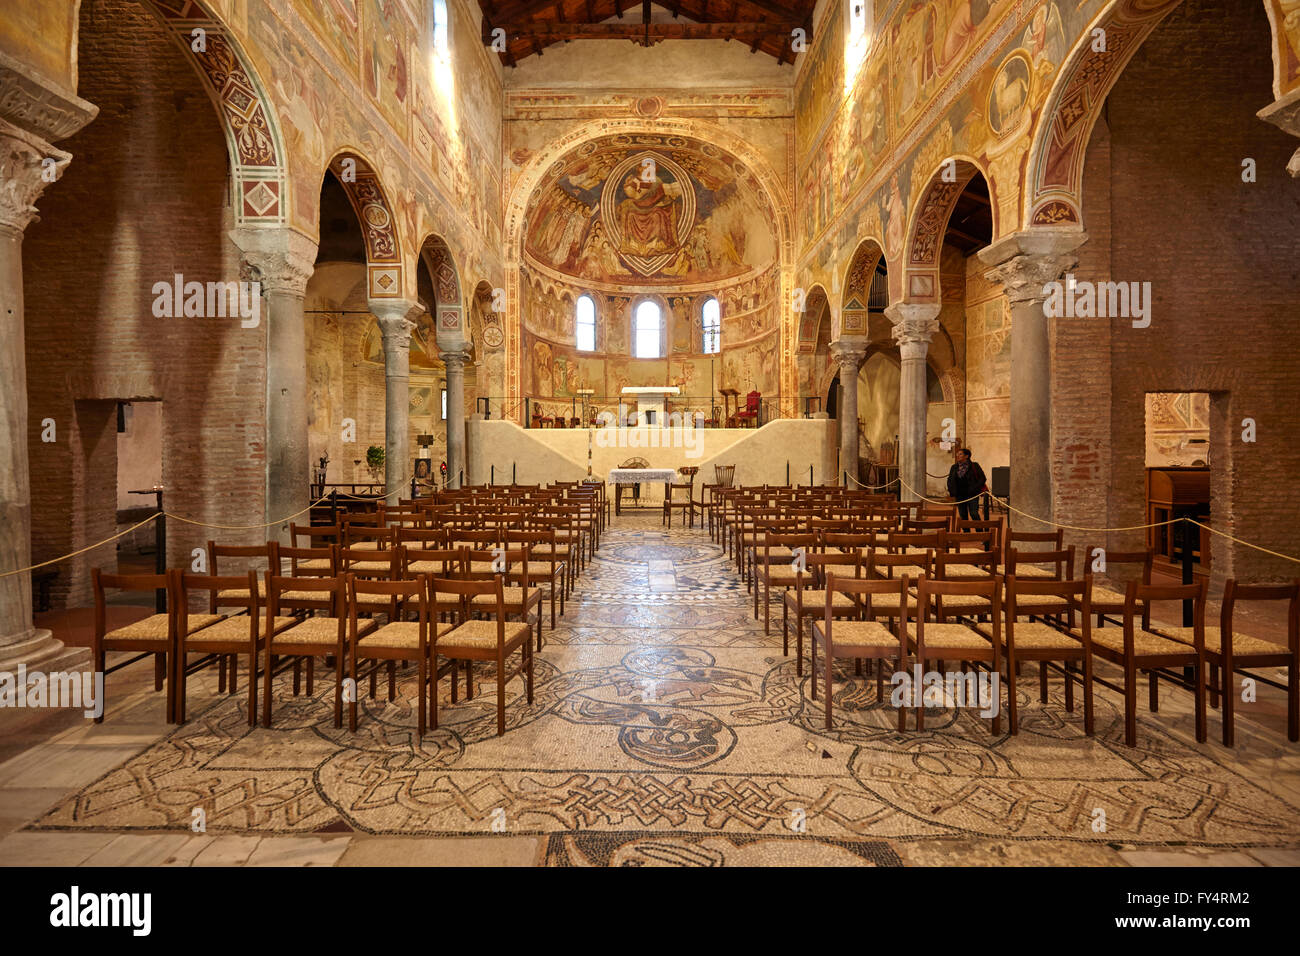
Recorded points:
(729, 395)
(622, 477)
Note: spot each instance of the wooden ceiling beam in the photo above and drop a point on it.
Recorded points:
(553, 31)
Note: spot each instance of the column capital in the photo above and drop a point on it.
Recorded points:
(914, 325)
(849, 352)
(454, 359)
(27, 165)
(282, 259)
(1284, 113)
(394, 319)
(1024, 262)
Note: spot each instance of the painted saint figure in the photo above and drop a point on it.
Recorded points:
(647, 217)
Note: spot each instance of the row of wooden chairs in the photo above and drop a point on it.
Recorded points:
(990, 620)
(523, 537)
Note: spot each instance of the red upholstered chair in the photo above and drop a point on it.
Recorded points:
(750, 411)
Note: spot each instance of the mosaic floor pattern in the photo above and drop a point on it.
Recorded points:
(666, 728)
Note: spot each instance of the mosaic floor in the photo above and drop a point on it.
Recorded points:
(667, 729)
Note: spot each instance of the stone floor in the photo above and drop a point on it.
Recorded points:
(666, 729)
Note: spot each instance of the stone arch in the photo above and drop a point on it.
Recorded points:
(928, 224)
(258, 166)
(816, 311)
(857, 288)
(384, 273)
(1054, 176)
(771, 185)
(448, 299)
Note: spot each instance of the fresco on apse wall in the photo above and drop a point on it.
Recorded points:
(656, 209)
(1177, 429)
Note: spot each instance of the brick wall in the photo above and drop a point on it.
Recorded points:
(1164, 202)
(146, 196)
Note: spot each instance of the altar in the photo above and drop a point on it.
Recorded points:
(650, 402)
(620, 478)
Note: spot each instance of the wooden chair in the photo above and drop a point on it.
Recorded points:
(311, 636)
(671, 502)
(397, 640)
(228, 637)
(1227, 651)
(495, 639)
(1037, 641)
(861, 639)
(511, 564)
(808, 598)
(543, 547)
(1055, 541)
(1138, 648)
(154, 635)
(251, 557)
(943, 641)
(778, 554)
(1106, 600)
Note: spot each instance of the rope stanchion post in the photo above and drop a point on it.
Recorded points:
(160, 558)
(1186, 526)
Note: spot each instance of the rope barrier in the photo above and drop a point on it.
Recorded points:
(1224, 534)
(869, 487)
(152, 517)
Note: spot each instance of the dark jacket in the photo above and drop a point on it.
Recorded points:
(963, 488)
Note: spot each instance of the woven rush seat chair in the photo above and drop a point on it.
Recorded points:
(492, 639)
(397, 640)
(310, 637)
(1031, 640)
(545, 565)
(518, 596)
(1226, 650)
(155, 634)
(940, 641)
(1136, 647)
(808, 598)
(779, 553)
(1053, 540)
(865, 639)
(242, 634)
(1121, 568)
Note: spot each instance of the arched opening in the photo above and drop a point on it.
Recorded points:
(1212, 312)
(94, 338)
(648, 330)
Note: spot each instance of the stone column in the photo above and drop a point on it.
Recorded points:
(454, 360)
(914, 325)
(849, 353)
(396, 330)
(283, 261)
(24, 174)
(1025, 263)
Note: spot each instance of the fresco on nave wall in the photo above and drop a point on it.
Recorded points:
(653, 209)
(922, 50)
(422, 141)
(1286, 14)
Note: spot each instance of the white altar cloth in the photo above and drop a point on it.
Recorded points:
(632, 476)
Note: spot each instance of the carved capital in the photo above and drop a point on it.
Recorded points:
(33, 103)
(283, 260)
(850, 354)
(1025, 262)
(27, 165)
(1285, 115)
(914, 325)
(454, 360)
